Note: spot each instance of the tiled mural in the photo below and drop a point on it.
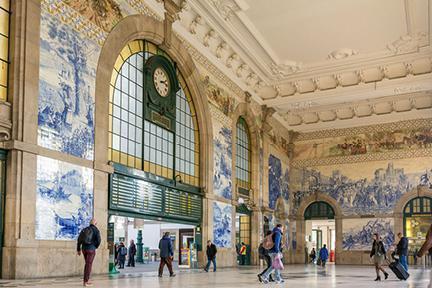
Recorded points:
(66, 88)
(357, 233)
(222, 224)
(64, 199)
(278, 180)
(363, 143)
(222, 185)
(362, 188)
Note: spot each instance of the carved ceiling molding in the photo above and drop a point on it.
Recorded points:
(215, 42)
(362, 75)
(355, 131)
(359, 109)
(211, 68)
(226, 8)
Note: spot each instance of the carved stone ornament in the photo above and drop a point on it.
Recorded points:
(286, 68)
(226, 8)
(407, 43)
(342, 53)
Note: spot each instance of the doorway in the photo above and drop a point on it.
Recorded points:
(147, 233)
(243, 234)
(417, 220)
(320, 229)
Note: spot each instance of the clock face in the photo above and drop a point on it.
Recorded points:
(161, 82)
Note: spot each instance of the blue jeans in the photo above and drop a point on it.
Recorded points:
(271, 269)
(403, 261)
(214, 264)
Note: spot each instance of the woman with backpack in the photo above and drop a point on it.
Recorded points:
(122, 252)
(275, 254)
(264, 254)
(378, 255)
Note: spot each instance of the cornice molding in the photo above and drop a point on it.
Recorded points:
(359, 109)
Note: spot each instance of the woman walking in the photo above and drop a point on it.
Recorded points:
(378, 256)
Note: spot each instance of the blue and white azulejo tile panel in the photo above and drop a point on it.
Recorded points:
(222, 185)
(66, 88)
(64, 199)
(357, 233)
(222, 224)
(278, 181)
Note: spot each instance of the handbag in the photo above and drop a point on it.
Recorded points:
(277, 262)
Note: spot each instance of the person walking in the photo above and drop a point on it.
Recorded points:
(243, 252)
(166, 254)
(131, 254)
(427, 246)
(264, 254)
(378, 255)
(323, 255)
(89, 240)
(402, 250)
(312, 255)
(122, 252)
(211, 256)
(275, 257)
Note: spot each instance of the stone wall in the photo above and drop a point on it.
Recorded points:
(368, 174)
(57, 177)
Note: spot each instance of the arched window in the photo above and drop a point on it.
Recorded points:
(243, 158)
(4, 48)
(417, 220)
(141, 144)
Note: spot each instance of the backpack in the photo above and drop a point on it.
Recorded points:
(261, 251)
(268, 242)
(123, 251)
(86, 236)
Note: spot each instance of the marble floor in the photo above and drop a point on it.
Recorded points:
(294, 275)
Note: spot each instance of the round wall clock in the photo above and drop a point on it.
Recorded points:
(161, 82)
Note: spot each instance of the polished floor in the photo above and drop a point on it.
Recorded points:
(294, 275)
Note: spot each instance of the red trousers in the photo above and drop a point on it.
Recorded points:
(168, 262)
(89, 256)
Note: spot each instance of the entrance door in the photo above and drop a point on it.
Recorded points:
(186, 238)
(417, 220)
(3, 155)
(320, 229)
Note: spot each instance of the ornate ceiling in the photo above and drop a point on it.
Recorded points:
(319, 63)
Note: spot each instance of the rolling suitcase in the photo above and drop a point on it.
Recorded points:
(399, 270)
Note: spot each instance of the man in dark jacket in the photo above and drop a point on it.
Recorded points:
(166, 253)
(88, 241)
(211, 256)
(402, 250)
(264, 254)
(131, 254)
(273, 253)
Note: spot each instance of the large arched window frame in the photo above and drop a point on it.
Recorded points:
(243, 158)
(140, 144)
(4, 47)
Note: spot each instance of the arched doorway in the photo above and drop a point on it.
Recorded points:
(320, 228)
(417, 220)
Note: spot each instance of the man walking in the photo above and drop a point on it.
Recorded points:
(264, 254)
(323, 255)
(211, 256)
(166, 253)
(131, 252)
(402, 250)
(243, 252)
(88, 241)
(274, 253)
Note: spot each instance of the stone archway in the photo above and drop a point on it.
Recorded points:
(301, 254)
(399, 213)
(146, 28)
